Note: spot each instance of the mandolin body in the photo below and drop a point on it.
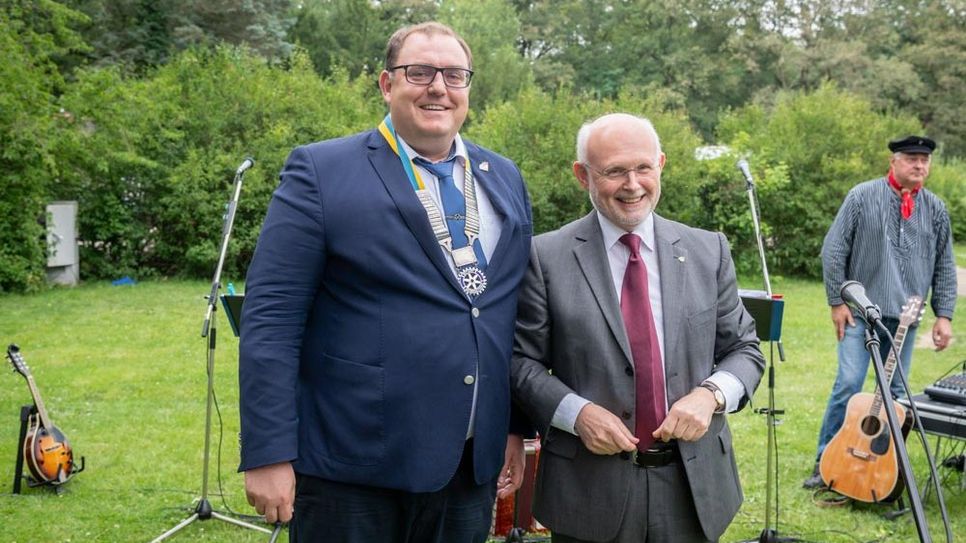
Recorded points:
(47, 453)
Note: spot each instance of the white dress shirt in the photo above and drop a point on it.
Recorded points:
(565, 416)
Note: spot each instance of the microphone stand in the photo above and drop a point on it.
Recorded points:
(770, 533)
(872, 345)
(204, 511)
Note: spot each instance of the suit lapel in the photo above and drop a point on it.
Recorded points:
(671, 262)
(592, 258)
(497, 193)
(387, 166)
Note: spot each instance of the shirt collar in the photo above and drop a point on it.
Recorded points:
(459, 149)
(612, 233)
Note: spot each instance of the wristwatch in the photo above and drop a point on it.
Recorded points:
(719, 396)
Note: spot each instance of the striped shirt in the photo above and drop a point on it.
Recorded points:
(893, 258)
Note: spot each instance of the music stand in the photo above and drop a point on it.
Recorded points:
(768, 311)
(233, 309)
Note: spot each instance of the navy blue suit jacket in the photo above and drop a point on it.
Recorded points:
(356, 339)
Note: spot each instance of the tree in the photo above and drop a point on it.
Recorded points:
(33, 35)
(538, 131)
(490, 27)
(152, 157)
(139, 34)
(807, 151)
(350, 34)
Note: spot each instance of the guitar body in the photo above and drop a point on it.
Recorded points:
(860, 461)
(47, 453)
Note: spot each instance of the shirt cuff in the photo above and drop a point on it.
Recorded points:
(731, 387)
(565, 417)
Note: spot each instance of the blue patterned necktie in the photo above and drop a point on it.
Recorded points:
(454, 206)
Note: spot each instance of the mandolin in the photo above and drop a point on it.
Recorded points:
(860, 460)
(46, 451)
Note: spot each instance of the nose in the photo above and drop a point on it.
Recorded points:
(437, 83)
(632, 178)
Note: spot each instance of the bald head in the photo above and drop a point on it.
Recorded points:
(614, 121)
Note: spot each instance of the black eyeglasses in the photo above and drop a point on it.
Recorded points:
(423, 74)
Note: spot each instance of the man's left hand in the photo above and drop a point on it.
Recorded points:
(511, 475)
(689, 418)
(942, 333)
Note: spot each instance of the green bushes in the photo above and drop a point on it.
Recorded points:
(152, 159)
(806, 151)
(948, 180)
(539, 132)
(32, 36)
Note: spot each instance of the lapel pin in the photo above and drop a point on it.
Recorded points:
(485, 166)
(680, 259)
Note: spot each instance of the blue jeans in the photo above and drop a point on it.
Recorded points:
(853, 367)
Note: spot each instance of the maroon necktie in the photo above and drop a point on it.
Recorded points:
(639, 322)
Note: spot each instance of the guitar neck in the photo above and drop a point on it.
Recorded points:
(890, 365)
(39, 402)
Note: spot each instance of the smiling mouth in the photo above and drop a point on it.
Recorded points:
(631, 201)
(432, 107)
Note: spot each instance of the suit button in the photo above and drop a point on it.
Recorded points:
(475, 312)
(629, 371)
(626, 415)
(469, 379)
(625, 455)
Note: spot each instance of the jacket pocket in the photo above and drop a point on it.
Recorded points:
(349, 404)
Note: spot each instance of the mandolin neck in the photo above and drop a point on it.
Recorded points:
(39, 402)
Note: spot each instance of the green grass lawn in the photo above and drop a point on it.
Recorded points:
(122, 371)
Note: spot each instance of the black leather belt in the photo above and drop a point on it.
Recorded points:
(659, 454)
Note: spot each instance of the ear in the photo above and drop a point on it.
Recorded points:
(662, 160)
(385, 85)
(582, 176)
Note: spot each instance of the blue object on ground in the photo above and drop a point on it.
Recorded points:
(126, 280)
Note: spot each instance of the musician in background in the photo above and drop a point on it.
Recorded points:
(893, 236)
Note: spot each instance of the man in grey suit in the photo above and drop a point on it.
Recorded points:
(631, 345)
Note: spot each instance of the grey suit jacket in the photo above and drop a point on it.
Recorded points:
(570, 338)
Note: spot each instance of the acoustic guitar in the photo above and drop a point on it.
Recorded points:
(46, 451)
(860, 461)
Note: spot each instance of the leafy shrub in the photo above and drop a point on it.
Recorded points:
(539, 132)
(152, 159)
(32, 34)
(807, 151)
(946, 179)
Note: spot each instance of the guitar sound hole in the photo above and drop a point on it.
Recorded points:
(871, 426)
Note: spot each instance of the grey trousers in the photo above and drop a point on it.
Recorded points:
(660, 509)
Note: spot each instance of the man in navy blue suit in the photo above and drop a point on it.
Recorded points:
(378, 321)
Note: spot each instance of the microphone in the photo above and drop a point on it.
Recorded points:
(249, 162)
(745, 171)
(854, 295)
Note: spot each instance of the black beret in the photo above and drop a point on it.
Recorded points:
(913, 144)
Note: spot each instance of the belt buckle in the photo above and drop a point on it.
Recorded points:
(653, 457)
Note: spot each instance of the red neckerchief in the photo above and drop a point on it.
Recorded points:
(908, 204)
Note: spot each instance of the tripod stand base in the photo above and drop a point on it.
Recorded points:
(771, 536)
(205, 512)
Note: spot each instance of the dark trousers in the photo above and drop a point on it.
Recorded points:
(333, 512)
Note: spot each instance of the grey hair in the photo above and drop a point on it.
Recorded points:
(583, 135)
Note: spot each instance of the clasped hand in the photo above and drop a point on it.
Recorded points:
(602, 432)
